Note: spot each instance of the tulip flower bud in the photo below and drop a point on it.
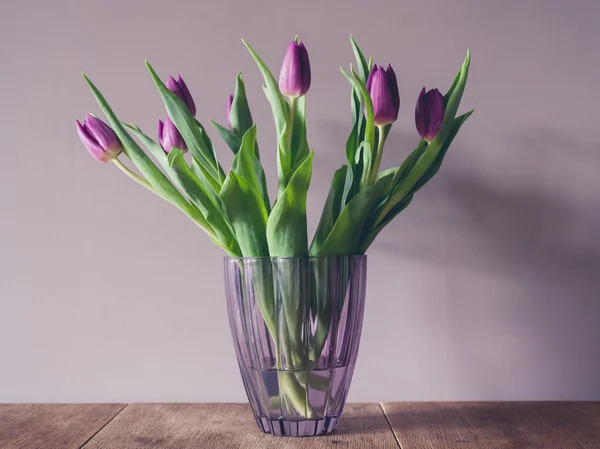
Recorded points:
(294, 78)
(169, 136)
(229, 103)
(99, 139)
(383, 88)
(429, 113)
(179, 88)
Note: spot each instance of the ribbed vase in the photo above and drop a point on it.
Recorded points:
(296, 325)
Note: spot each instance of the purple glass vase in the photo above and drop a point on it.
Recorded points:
(296, 325)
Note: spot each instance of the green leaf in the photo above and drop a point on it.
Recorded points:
(354, 137)
(408, 164)
(247, 215)
(248, 166)
(361, 62)
(364, 156)
(276, 99)
(344, 238)
(208, 181)
(241, 118)
(232, 139)
(201, 197)
(208, 143)
(188, 127)
(162, 158)
(331, 209)
(369, 234)
(157, 179)
(366, 97)
(281, 116)
(155, 149)
(348, 192)
(286, 227)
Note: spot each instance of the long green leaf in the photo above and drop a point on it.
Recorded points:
(331, 209)
(356, 82)
(344, 238)
(281, 116)
(157, 152)
(231, 138)
(151, 172)
(188, 127)
(286, 227)
(365, 155)
(155, 149)
(203, 200)
(247, 165)
(247, 215)
(408, 164)
(361, 62)
(369, 234)
(279, 106)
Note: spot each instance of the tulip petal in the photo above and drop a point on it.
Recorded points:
(229, 103)
(179, 88)
(421, 113)
(90, 143)
(161, 127)
(103, 134)
(187, 96)
(171, 137)
(393, 84)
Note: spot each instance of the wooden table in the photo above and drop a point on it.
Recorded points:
(408, 425)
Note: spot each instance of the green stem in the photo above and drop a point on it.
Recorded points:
(291, 128)
(141, 181)
(375, 168)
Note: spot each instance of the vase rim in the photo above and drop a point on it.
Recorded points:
(353, 256)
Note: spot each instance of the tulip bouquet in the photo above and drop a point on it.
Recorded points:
(235, 209)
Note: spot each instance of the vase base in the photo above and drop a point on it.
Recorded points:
(305, 428)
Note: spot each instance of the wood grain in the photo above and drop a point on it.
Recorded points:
(52, 426)
(518, 425)
(232, 426)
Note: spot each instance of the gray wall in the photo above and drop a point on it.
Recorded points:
(486, 287)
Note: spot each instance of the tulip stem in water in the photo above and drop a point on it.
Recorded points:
(132, 175)
(377, 162)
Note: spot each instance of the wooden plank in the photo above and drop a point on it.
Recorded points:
(232, 426)
(492, 425)
(52, 426)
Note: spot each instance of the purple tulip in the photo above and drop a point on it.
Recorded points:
(99, 139)
(169, 136)
(429, 113)
(229, 103)
(179, 88)
(294, 78)
(383, 88)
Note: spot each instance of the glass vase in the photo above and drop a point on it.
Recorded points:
(296, 325)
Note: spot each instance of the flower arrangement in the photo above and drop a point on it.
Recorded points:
(295, 308)
(234, 209)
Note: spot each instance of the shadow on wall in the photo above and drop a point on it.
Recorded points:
(524, 218)
(513, 228)
(537, 230)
